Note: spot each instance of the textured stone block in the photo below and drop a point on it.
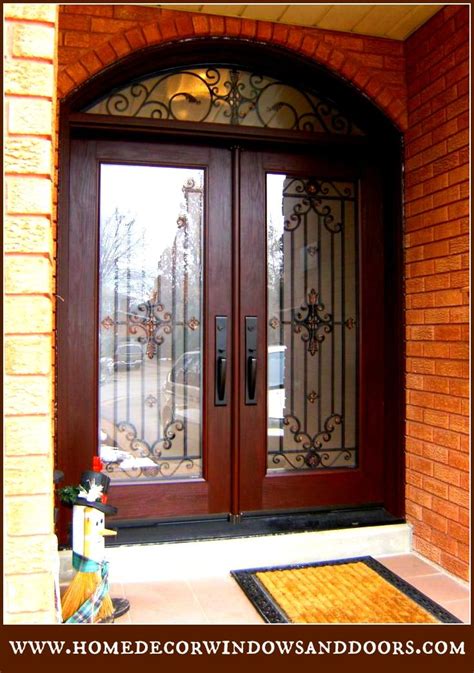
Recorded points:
(29, 116)
(30, 78)
(28, 234)
(28, 475)
(28, 435)
(31, 12)
(28, 354)
(28, 155)
(31, 593)
(29, 515)
(27, 395)
(26, 195)
(28, 315)
(27, 275)
(30, 40)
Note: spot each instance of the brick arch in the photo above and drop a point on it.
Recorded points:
(370, 64)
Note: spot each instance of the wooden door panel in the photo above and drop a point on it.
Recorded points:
(79, 370)
(362, 483)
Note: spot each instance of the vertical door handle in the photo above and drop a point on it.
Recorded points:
(221, 379)
(251, 360)
(220, 362)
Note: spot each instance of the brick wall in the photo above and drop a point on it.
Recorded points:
(437, 244)
(30, 545)
(92, 37)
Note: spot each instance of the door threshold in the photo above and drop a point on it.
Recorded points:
(203, 558)
(249, 525)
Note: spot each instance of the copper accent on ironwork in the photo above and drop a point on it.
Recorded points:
(274, 322)
(316, 322)
(350, 323)
(107, 322)
(193, 323)
(182, 221)
(153, 321)
(312, 396)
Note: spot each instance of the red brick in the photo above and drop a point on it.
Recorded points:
(435, 520)
(152, 33)
(135, 38)
(92, 10)
(433, 452)
(446, 438)
(264, 30)
(455, 566)
(74, 22)
(444, 542)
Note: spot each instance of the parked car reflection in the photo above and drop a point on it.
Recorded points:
(183, 389)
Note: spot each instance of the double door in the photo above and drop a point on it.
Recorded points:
(223, 320)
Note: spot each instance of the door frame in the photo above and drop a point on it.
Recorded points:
(384, 146)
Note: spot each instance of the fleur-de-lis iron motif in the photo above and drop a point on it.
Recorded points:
(153, 322)
(316, 322)
(150, 400)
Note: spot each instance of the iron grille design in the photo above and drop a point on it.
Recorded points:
(139, 448)
(151, 319)
(226, 96)
(150, 338)
(312, 251)
(315, 323)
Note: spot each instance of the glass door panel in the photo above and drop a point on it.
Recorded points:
(312, 323)
(150, 321)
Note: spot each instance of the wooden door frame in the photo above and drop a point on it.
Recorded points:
(384, 143)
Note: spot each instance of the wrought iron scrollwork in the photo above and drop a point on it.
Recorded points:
(153, 322)
(315, 456)
(314, 320)
(167, 467)
(317, 196)
(227, 96)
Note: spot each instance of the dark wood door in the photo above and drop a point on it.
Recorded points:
(220, 334)
(146, 266)
(312, 278)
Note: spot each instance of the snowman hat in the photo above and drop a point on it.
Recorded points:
(93, 492)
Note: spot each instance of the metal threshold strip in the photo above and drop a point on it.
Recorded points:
(250, 525)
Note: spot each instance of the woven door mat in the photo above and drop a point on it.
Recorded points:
(349, 591)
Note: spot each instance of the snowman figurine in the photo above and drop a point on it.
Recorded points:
(87, 598)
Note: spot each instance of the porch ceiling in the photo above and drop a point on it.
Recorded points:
(392, 21)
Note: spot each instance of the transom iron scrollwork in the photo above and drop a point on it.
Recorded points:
(314, 320)
(151, 322)
(227, 96)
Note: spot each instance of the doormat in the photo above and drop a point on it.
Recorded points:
(349, 591)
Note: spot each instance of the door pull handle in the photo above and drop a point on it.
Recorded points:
(251, 378)
(251, 360)
(220, 361)
(221, 378)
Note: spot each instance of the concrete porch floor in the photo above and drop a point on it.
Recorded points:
(219, 600)
(189, 582)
